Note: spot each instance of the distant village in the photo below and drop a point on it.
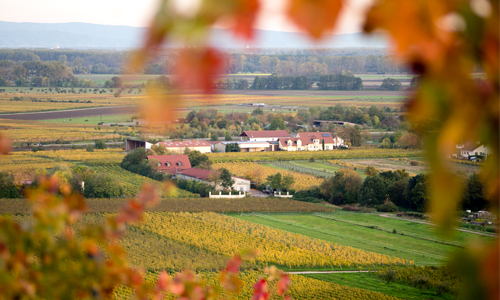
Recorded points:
(179, 166)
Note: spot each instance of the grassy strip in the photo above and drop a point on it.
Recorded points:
(404, 226)
(370, 281)
(306, 155)
(394, 231)
(360, 237)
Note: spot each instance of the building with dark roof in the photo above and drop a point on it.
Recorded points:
(134, 144)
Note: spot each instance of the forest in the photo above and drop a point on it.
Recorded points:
(311, 63)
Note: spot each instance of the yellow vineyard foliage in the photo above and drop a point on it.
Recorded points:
(34, 132)
(225, 235)
(258, 173)
(301, 288)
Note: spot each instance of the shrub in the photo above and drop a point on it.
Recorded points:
(355, 207)
(100, 144)
(90, 148)
(420, 281)
(312, 159)
(388, 206)
(389, 275)
(414, 163)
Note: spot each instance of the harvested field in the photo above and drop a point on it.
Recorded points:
(74, 113)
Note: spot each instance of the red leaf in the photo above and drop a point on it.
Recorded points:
(316, 17)
(233, 265)
(283, 284)
(260, 290)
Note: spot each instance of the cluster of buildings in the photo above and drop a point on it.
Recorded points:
(179, 166)
(256, 141)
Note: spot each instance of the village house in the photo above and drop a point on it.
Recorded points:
(170, 163)
(202, 146)
(206, 176)
(270, 136)
(263, 136)
(472, 149)
(310, 141)
(245, 146)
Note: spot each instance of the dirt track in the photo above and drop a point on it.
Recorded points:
(74, 113)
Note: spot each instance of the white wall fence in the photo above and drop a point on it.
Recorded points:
(283, 196)
(240, 195)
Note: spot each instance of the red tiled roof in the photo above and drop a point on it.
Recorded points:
(307, 138)
(198, 173)
(184, 144)
(316, 135)
(176, 162)
(266, 134)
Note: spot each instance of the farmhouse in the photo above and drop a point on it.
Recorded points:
(310, 141)
(133, 144)
(206, 176)
(201, 146)
(473, 149)
(245, 146)
(170, 163)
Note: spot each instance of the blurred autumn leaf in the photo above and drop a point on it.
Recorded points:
(316, 17)
(442, 41)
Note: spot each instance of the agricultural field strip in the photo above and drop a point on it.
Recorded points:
(292, 166)
(226, 235)
(132, 182)
(414, 235)
(259, 173)
(342, 235)
(301, 288)
(305, 155)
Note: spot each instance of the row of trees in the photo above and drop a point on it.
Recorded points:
(276, 82)
(381, 188)
(308, 62)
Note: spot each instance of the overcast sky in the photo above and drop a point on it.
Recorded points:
(138, 12)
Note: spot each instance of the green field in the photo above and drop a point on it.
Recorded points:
(324, 166)
(423, 247)
(93, 120)
(371, 282)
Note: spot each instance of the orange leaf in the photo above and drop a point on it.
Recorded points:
(5, 144)
(148, 195)
(316, 17)
(196, 68)
(244, 16)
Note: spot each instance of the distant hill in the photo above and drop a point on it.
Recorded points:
(94, 36)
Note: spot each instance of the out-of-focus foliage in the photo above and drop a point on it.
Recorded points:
(442, 41)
